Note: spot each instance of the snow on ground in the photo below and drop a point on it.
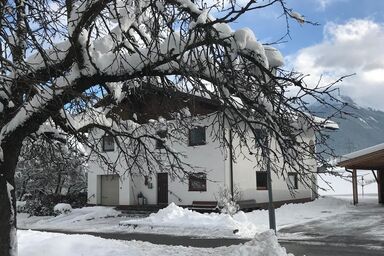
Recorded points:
(96, 218)
(34, 243)
(179, 221)
(176, 220)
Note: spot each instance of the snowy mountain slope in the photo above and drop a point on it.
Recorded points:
(363, 128)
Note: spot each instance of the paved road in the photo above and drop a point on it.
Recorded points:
(309, 248)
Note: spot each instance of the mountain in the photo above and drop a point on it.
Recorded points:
(361, 128)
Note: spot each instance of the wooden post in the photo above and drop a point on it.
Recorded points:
(380, 185)
(354, 187)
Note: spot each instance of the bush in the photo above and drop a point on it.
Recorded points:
(226, 203)
(38, 207)
(44, 205)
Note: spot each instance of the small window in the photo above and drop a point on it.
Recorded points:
(312, 148)
(261, 181)
(108, 143)
(162, 135)
(261, 137)
(197, 136)
(198, 182)
(292, 180)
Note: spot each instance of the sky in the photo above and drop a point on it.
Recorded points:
(348, 40)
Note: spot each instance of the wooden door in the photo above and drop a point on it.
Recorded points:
(162, 188)
(110, 189)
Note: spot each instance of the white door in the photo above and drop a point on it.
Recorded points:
(110, 189)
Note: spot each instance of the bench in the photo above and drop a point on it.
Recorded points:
(204, 205)
(247, 204)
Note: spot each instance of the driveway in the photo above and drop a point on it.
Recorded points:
(360, 230)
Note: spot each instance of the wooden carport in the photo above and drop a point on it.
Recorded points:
(371, 158)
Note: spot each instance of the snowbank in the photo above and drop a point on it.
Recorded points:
(86, 219)
(241, 224)
(175, 216)
(87, 213)
(33, 243)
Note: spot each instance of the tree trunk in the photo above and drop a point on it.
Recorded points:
(8, 241)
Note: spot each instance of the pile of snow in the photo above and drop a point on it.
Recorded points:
(62, 209)
(34, 243)
(265, 243)
(175, 216)
(89, 213)
(86, 219)
(241, 224)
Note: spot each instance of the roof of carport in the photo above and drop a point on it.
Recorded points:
(371, 158)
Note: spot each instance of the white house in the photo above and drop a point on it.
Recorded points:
(216, 170)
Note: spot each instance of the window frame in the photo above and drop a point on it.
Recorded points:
(104, 143)
(295, 179)
(266, 180)
(197, 177)
(197, 128)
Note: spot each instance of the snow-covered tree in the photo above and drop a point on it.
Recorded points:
(50, 167)
(71, 62)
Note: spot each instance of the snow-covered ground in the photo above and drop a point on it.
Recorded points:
(97, 218)
(34, 243)
(178, 221)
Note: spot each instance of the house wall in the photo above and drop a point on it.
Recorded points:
(210, 158)
(207, 158)
(244, 170)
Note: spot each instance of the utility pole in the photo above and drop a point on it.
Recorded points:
(271, 208)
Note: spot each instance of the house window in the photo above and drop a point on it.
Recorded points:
(159, 142)
(108, 143)
(261, 180)
(292, 180)
(198, 182)
(261, 137)
(312, 147)
(197, 136)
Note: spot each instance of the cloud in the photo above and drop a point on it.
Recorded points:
(323, 4)
(353, 47)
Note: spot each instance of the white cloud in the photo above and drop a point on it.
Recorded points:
(323, 4)
(353, 47)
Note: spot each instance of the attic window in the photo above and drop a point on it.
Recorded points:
(108, 143)
(312, 147)
(261, 138)
(197, 136)
(162, 134)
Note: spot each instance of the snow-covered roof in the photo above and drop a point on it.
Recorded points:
(371, 158)
(327, 124)
(362, 152)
